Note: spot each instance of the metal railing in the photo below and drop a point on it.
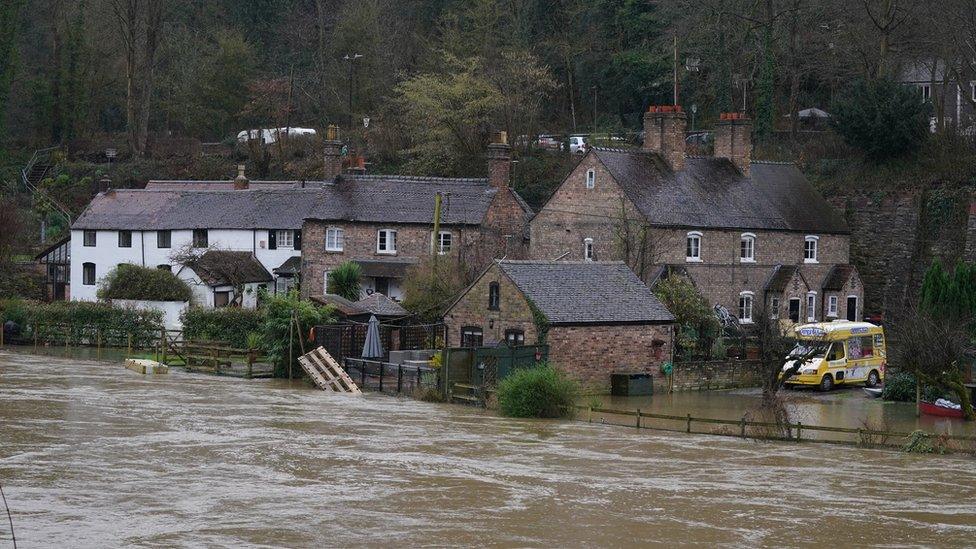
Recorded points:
(386, 377)
(39, 194)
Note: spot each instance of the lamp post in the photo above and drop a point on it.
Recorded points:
(351, 60)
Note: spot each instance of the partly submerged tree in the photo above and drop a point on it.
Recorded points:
(884, 119)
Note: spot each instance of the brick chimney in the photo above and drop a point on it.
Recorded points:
(664, 133)
(240, 182)
(499, 162)
(333, 153)
(733, 139)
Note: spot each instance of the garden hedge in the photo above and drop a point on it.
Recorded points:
(83, 322)
(143, 283)
(230, 324)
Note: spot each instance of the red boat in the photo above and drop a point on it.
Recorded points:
(941, 411)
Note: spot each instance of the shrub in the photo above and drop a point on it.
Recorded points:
(694, 317)
(541, 391)
(276, 328)
(84, 322)
(900, 387)
(143, 283)
(882, 118)
(344, 281)
(230, 324)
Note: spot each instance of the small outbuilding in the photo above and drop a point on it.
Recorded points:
(596, 317)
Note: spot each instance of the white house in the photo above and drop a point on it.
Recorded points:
(147, 227)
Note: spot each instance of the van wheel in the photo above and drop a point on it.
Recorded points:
(873, 379)
(827, 383)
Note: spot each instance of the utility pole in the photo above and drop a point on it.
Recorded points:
(435, 243)
(676, 69)
(351, 59)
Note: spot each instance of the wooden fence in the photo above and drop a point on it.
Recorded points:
(764, 430)
(387, 377)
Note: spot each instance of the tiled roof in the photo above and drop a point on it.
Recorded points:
(711, 192)
(394, 267)
(837, 277)
(782, 274)
(292, 266)
(381, 305)
(341, 304)
(281, 205)
(213, 268)
(586, 292)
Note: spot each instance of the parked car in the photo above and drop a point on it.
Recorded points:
(548, 141)
(577, 144)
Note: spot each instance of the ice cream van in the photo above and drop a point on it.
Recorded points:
(841, 353)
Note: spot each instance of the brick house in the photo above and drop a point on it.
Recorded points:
(384, 223)
(749, 234)
(597, 317)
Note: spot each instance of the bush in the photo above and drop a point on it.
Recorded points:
(344, 281)
(143, 283)
(882, 118)
(275, 328)
(900, 387)
(84, 322)
(697, 325)
(229, 324)
(541, 391)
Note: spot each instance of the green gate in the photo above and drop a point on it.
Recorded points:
(471, 373)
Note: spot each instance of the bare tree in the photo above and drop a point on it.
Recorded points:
(230, 268)
(140, 27)
(637, 243)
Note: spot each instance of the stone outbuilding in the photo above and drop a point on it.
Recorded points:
(597, 317)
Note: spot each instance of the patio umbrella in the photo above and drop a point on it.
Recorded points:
(373, 348)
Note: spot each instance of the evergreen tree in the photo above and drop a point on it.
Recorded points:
(884, 119)
(9, 23)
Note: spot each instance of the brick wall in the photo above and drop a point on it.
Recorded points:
(591, 353)
(513, 311)
(710, 375)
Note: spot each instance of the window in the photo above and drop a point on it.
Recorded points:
(285, 239)
(693, 249)
(810, 249)
(325, 282)
(164, 239)
(90, 238)
(472, 336)
(588, 249)
(444, 241)
(88, 274)
(493, 296)
(386, 241)
(794, 309)
(165, 267)
(221, 299)
(811, 306)
(200, 238)
(333, 239)
(747, 248)
(836, 351)
(926, 92)
(774, 308)
(860, 347)
(125, 239)
(972, 87)
(284, 284)
(745, 307)
(832, 306)
(514, 337)
(590, 178)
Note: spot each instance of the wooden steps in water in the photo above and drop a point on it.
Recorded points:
(326, 372)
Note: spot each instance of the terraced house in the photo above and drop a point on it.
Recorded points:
(749, 234)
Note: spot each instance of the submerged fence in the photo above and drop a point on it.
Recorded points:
(386, 377)
(765, 430)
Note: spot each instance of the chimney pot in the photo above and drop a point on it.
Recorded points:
(664, 133)
(332, 166)
(240, 182)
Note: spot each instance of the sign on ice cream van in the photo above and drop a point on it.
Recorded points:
(839, 353)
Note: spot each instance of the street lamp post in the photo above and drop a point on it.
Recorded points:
(351, 60)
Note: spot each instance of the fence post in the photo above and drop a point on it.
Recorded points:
(129, 342)
(165, 343)
(688, 430)
(67, 336)
(418, 379)
(2, 322)
(399, 378)
(742, 427)
(382, 371)
(589, 414)
(638, 419)
(36, 328)
(362, 374)
(799, 429)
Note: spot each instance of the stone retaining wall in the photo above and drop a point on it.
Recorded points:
(711, 375)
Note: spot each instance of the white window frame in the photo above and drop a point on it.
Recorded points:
(334, 239)
(815, 240)
(698, 237)
(811, 306)
(832, 308)
(325, 281)
(389, 237)
(285, 239)
(751, 239)
(590, 178)
(926, 91)
(746, 304)
(443, 249)
(774, 308)
(587, 249)
(972, 89)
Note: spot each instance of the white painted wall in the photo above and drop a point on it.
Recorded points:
(106, 254)
(368, 285)
(203, 295)
(171, 310)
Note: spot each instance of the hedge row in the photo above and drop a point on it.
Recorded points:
(143, 283)
(82, 322)
(229, 324)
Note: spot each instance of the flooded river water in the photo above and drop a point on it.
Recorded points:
(92, 455)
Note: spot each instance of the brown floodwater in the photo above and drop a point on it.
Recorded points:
(93, 455)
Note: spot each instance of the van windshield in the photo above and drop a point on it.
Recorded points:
(809, 349)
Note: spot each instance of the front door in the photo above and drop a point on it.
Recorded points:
(382, 285)
(852, 309)
(795, 310)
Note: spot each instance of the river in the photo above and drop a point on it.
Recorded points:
(93, 455)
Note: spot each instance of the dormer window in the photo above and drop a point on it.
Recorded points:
(590, 178)
(588, 249)
(747, 248)
(693, 247)
(810, 249)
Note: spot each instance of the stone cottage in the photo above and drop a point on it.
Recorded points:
(597, 317)
(749, 234)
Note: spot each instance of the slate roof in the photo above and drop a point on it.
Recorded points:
(780, 278)
(362, 198)
(214, 263)
(837, 277)
(712, 193)
(394, 267)
(586, 292)
(381, 305)
(291, 266)
(340, 303)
